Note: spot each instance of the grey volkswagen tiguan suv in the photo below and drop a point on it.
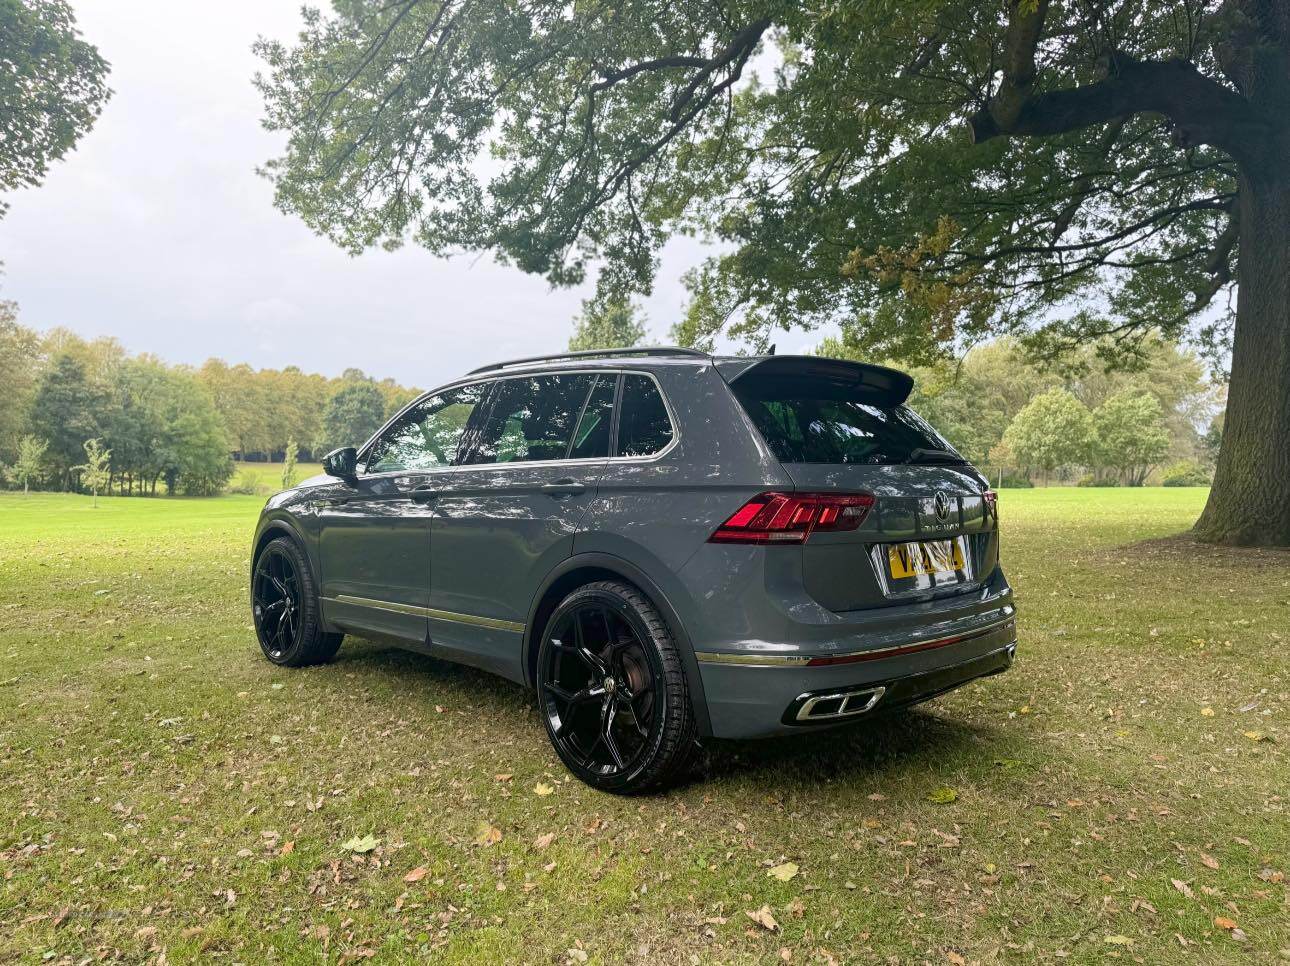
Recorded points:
(662, 544)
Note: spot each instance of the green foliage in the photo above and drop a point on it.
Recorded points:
(612, 323)
(52, 89)
(1093, 479)
(21, 360)
(1185, 473)
(1054, 429)
(65, 412)
(972, 401)
(841, 180)
(1131, 436)
(165, 425)
(289, 464)
(246, 483)
(354, 412)
(95, 471)
(30, 461)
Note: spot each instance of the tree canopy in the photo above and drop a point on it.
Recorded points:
(53, 85)
(613, 323)
(922, 173)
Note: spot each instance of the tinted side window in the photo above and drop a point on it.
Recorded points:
(532, 418)
(592, 438)
(643, 424)
(427, 435)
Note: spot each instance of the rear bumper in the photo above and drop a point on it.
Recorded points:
(831, 706)
(751, 700)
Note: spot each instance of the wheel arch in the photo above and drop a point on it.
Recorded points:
(585, 568)
(270, 531)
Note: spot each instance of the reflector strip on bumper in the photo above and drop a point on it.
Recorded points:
(747, 659)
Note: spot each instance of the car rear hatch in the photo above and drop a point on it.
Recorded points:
(843, 427)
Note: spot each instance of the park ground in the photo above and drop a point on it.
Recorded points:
(1120, 794)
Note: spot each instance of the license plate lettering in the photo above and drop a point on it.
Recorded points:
(906, 560)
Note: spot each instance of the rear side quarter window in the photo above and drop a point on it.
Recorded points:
(644, 426)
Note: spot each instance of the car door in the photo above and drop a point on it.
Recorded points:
(509, 513)
(375, 531)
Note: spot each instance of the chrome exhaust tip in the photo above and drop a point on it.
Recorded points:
(839, 704)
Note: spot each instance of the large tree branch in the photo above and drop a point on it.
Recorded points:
(1201, 110)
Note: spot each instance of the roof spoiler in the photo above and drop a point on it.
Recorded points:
(890, 385)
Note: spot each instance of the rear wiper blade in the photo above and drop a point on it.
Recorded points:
(920, 454)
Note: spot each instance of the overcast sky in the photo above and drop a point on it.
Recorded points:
(157, 230)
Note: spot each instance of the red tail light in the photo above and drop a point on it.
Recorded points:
(792, 517)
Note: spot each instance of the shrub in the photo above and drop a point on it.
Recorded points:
(1185, 473)
(245, 483)
(1091, 480)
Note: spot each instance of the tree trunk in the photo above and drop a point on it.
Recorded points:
(1249, 504)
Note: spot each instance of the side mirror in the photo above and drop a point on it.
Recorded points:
(342, 463)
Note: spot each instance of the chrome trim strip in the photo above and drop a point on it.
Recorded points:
(492, 623)
(801, 660)
(394, 607)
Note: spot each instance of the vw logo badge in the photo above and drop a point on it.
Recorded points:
(942, 507)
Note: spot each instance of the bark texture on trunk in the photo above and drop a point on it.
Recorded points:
(1249, 504)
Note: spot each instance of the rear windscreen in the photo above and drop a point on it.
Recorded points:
(813, 420)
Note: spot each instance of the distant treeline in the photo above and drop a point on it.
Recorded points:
(1019, 418)
(166, 426)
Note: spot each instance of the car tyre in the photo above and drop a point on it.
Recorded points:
(612, 690)
(285, 607)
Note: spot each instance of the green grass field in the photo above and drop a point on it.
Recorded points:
(1122, 792)
(267, 477)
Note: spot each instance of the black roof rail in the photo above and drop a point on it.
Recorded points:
(661, 351)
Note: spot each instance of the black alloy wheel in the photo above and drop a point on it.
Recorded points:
(284, 604)
(276, 603)
(611, 690)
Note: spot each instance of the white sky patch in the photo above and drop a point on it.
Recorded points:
(157, 230)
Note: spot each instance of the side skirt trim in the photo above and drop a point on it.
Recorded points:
(440, 615)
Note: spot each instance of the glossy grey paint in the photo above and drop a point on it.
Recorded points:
(492, 541)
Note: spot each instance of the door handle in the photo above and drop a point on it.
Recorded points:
(565, 487)
(424, 494)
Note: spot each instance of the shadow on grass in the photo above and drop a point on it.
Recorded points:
(912, 739)
(902, 741)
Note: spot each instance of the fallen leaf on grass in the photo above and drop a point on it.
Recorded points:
(287, 848)
(487, 834)
(942, 796)
(1183, 887)
(1257, 736)
(763, 918)
(1118, 940)
(503, 777)
(1222, 922)
(360, 846)
(1208, 861)
(417, 874)
(1207, 712)
(783, 872)
(543, 789)
(542, 841)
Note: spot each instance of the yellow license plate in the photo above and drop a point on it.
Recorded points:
(928, 557)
